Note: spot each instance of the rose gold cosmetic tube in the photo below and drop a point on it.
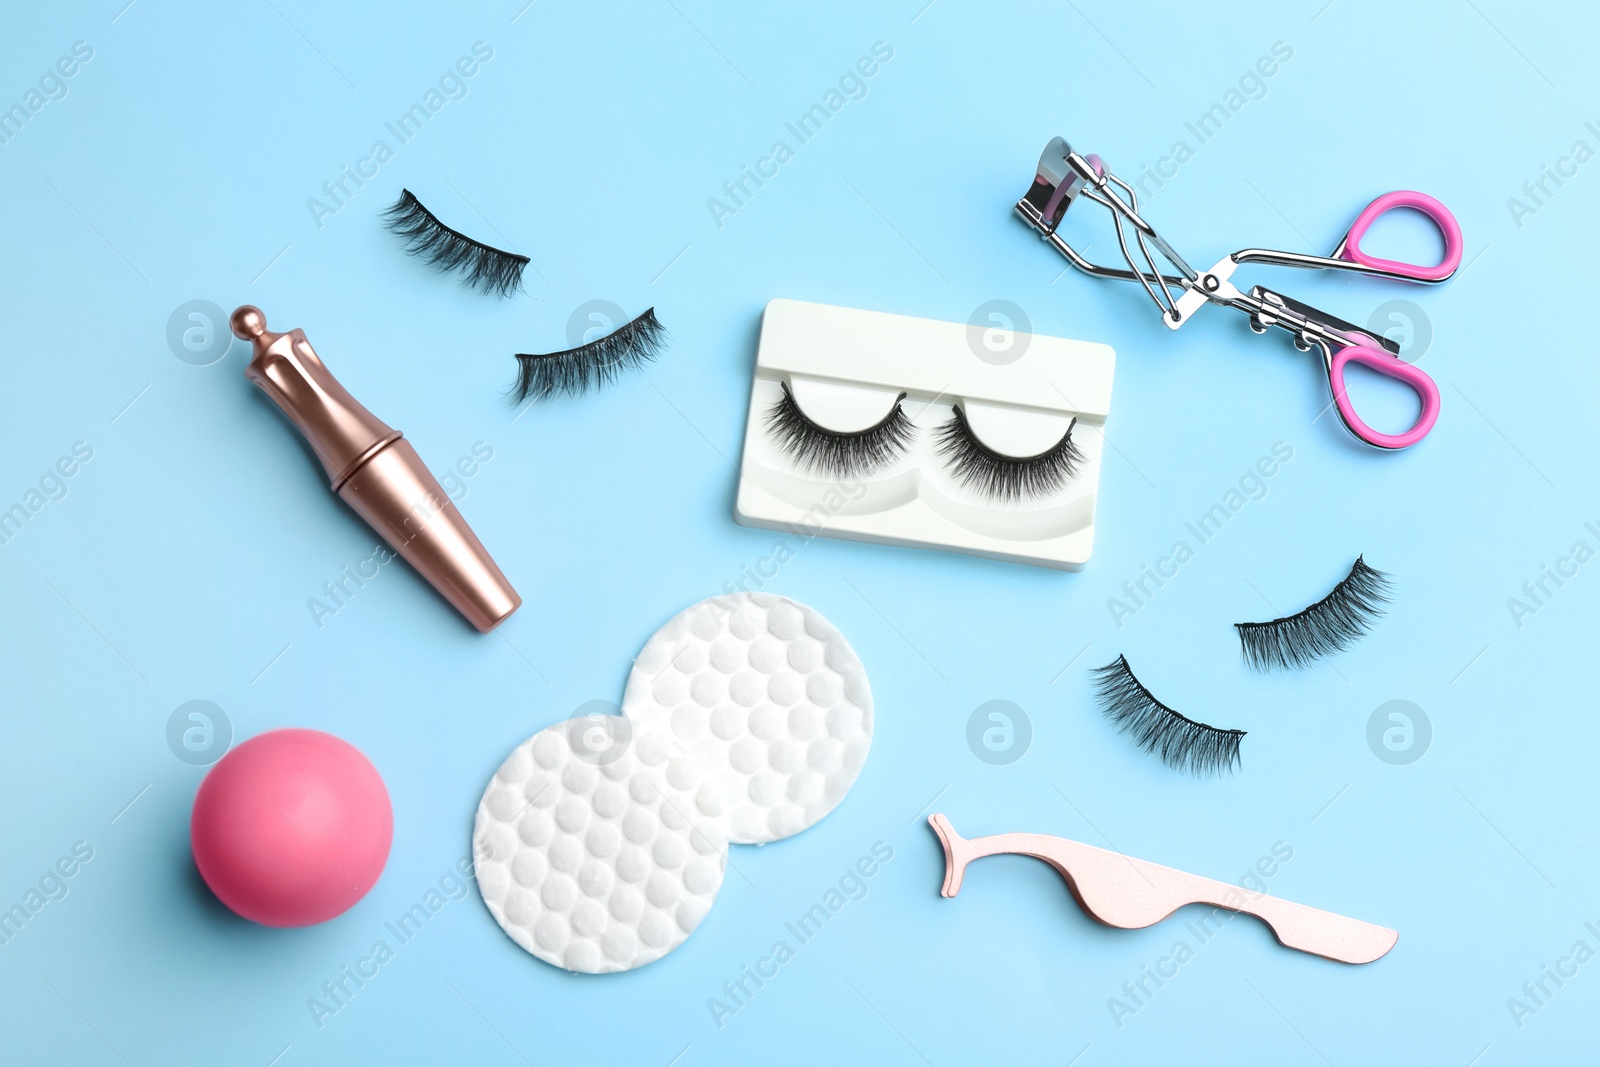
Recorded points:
(377, 472)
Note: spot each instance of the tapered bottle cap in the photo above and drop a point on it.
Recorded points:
(377, 472)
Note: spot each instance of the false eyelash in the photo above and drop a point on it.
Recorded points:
(842, 453)
(1328, 626)
(595, 364)
(487, 269)
(1001, 477)
(1182, 743)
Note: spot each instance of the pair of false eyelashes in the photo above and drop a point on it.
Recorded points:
(1328, 626)
(1183, 743)
(498, 272)
(847, 454)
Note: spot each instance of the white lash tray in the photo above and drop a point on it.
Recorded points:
(845, 369)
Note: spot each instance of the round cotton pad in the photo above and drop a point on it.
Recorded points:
(769, 698)
(587, 854)
(602, 840)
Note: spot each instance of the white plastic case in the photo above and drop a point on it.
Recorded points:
(846, 368)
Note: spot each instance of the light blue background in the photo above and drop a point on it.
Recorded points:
(180, 562)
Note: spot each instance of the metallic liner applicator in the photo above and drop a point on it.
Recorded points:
(377, 472)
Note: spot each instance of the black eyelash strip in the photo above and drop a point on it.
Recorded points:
(593, 365)
(1001, 477)
(1182, 743)
(489, 270)
(1328, 626)
(844, 454)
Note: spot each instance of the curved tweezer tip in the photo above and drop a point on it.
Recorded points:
(953, 868)
(1128, 893)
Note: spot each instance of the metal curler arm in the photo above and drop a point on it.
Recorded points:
(1061, 177)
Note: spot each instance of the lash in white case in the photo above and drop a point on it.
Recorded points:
(847, 370)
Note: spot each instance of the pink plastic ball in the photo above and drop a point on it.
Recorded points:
(291, 828)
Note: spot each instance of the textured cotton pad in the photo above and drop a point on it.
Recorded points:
(769, 698)
(601, 842)
(596, 866)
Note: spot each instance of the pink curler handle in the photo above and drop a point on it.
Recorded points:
(1449, 229)
(1390, 367)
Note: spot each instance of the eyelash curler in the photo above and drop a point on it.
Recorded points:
(1064, 175)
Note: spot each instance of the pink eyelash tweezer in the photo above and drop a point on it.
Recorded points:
(1131, 894)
